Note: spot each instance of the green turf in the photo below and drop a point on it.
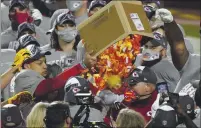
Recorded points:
(191, 30)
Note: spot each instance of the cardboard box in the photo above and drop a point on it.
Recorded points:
(112, 23)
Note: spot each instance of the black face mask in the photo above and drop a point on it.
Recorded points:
(151, 63)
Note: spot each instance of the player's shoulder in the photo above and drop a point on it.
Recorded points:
(27, 73)
(195, 56)
(194, 59)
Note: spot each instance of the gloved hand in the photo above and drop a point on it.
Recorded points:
(164, 15)
(109, 98)
(21, 55)
(37, 16)
(21, 97)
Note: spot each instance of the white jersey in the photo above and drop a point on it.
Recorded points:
(190, 71)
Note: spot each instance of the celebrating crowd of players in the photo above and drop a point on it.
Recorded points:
(43, 86)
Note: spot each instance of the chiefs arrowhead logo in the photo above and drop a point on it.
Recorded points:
(75, 90)
(135, 74)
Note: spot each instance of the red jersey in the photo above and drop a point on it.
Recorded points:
(52, 84)
(145, 109)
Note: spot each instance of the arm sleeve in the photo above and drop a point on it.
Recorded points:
(58, 82)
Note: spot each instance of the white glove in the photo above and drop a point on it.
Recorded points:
(36, 14)
(108, 98)
(155, 105)
(164, 15)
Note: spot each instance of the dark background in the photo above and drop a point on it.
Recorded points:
(189, 4)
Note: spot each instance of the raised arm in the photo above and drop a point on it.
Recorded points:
(59, 81)
(175, 38)
(7, 76)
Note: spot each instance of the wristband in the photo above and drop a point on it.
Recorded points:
(83, 65)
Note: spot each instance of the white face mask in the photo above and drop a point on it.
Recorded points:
(150, 55)
(74, 5)
(68, 34)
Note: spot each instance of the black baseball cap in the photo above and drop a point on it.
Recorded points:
(11, 116)
(24, 3)
(61, 19)
(159, 40)
(188, 106)
(142, 74)
(97, 3)
(54, 17)
(35, 53)
(150, 11)
(26, 40)
(152, 1)
(165, 117)
(25, 26)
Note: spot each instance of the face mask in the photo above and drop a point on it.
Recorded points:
(67, 35)
(150, 55)
(21, 17)
(73, 5)
(151, 63)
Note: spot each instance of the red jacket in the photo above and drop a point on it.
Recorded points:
(52, 84)
(143, 109)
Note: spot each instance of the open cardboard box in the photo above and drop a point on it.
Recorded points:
(112, 23)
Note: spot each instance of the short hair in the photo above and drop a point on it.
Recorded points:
(56, 114)
(128, 118)
(35, 117)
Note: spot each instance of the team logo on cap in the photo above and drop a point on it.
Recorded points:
(156, 36)
(135, 74)
(8, 118)
(164, 122)
(147, 9)
(188, 106)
